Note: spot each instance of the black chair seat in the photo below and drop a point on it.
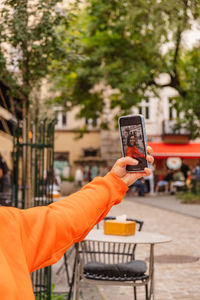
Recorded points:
(130, 271)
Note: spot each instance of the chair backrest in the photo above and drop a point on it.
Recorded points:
(108, 252)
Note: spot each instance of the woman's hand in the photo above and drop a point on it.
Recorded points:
(129, 178)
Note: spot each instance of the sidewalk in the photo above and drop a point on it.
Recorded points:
(175, 279)
(170, 203)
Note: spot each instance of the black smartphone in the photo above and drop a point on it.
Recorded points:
(134, 141)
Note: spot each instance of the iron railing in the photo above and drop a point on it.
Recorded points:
(32, 180)
(170, 127)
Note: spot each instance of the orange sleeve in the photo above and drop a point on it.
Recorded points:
(47, 232)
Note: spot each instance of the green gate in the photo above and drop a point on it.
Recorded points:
(32, 180)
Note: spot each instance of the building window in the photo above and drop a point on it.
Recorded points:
(91, 122)
(64, 118)
(90, 152)
(144, 109)
(173, 113)
(61, 116)
(61, 156)
(170, 113)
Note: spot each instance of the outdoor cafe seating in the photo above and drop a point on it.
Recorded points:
(112, 263)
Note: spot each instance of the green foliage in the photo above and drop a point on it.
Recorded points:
(58, 297)
(127, 45)
(29, 41)
(190, 81)
(189, 197)
(54, 296)
(70, 178)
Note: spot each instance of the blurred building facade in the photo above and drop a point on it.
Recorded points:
(103, 147)
(84, 151)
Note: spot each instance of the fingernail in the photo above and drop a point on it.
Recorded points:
(135, 161)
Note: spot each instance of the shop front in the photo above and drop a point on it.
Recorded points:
(188, 153)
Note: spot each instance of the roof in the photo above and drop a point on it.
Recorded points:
(163, 150)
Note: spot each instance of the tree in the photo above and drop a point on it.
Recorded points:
(128, 45)
(29, 41)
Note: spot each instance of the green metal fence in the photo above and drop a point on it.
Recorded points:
(32, 179)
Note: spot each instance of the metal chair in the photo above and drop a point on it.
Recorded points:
(111, 264)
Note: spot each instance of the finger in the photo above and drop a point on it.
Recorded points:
(146, 172)
(149, 150)
(122, 162)
(150, 159)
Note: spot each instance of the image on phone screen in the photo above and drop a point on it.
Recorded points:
(133, 145)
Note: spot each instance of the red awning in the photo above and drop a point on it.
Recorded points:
(162, 150)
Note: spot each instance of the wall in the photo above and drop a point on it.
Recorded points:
(65, 142)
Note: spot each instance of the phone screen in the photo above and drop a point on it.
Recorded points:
(133, 141)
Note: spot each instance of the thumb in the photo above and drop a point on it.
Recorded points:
(127, 160)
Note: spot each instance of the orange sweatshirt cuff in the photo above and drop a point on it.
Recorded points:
(119, 184)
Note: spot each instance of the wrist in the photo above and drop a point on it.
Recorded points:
(119, 180)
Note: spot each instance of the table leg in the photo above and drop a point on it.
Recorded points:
(77, 274)
(71, 285)
(151, 273)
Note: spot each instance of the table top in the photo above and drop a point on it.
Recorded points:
(140, 237)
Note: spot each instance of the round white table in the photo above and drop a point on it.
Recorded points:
(140, 237)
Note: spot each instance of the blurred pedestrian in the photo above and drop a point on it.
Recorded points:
(79, 177)
(188, 181)
(4, 182)
(185, 169)
(140, 185)
(178, 181)
(165, 182)
(196, 177)
(57, 180)
(85, 174)
(89, 175)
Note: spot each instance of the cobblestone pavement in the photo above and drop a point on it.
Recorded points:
(177, 281)
(170, 203)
